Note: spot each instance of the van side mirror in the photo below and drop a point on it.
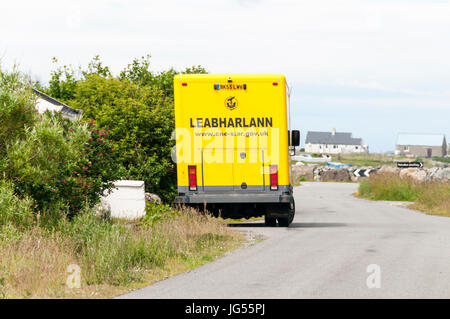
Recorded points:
(295, 138)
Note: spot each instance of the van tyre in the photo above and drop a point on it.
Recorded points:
(290, 212)
(270, 221)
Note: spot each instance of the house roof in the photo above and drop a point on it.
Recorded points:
(421, 139)
(63, 108)
(342, 138)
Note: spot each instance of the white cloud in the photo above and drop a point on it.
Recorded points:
(393, 46)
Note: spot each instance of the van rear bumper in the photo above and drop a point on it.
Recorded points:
(232, 198)
(283, 195)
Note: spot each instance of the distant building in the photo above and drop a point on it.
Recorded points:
(424, 145)
(47, 103)
(333, 143)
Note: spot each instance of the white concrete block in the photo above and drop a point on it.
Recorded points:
(127, 199)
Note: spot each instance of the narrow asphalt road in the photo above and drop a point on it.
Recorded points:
(326, 252)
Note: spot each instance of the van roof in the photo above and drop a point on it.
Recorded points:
(224, 77)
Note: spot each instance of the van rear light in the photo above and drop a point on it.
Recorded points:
(192, 169)
(273, 177)
(275, 83)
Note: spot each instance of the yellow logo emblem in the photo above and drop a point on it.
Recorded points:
(231, 102)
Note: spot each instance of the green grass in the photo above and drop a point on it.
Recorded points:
(442, 159)
(429, 197)
(375, 160)
(369, 159)
(115, 256)
(242, 220)
(363, 159)
(386, 188)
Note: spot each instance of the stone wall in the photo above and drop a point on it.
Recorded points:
(320, 173)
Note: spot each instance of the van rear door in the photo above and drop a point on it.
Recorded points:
(217, 176)
(249, 170)
(241, 170)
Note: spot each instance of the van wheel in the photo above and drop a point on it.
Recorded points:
(290, 212)
(270, 221)
(283, 222)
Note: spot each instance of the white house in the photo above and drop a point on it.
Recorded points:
(333, 143)
(47, 103)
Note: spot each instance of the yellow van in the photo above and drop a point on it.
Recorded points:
(232, 145)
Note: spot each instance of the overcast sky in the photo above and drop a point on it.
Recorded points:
(373, 68)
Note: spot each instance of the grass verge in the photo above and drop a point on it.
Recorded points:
(431, 197)
(442, 159)
(242, 220)
(361, 159)
(114, 256)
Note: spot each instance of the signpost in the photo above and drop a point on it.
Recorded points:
(409, 164)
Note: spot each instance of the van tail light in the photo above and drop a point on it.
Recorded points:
(273, 177)
(192, 169)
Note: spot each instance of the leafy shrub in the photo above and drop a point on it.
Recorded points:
(141, 124)
(62, 165)
(86, 179)
(17, 107)
(137, 106)
(63, 82)
(35, 162)
(14, 211)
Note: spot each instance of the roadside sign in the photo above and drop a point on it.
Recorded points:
(409, 164)
(363, 172)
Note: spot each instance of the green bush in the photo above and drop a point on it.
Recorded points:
(93, 173)
(62, 165)
(17, 107)
(34, 163)
(140, 122)
(137, 106)
(14, 211)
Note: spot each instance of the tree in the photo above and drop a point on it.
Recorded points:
(136, 106)
(17, 107)
(60, 164)
(140, 121)
(63, 83)
(139, 73)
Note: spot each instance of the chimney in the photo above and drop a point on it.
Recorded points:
(333, 131)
